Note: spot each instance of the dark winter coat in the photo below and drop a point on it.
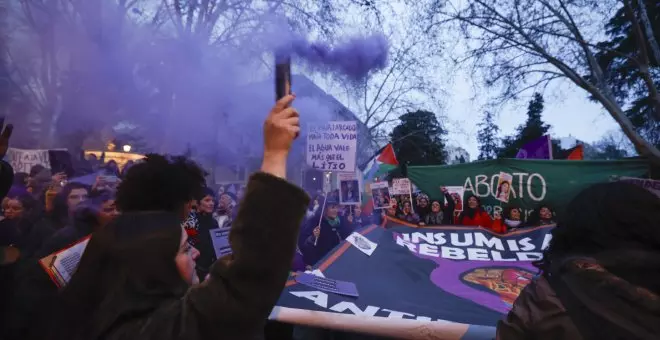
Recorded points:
(244, 286)
(329, 238)
(612, 296)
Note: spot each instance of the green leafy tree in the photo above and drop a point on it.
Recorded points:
(533, 128)
(419, 139)
(487, 138)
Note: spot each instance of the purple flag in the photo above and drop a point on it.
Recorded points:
(540, 148)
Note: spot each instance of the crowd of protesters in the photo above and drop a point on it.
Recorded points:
(148, 247)
(150, 270)
(426, 212)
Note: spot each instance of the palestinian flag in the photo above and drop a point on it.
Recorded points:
(382, 163)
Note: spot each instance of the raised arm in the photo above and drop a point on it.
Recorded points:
(243, 287)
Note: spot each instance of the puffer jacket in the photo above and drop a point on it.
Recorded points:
(614, 295)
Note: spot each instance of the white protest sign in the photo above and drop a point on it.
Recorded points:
(332, 146)
(315, 272)
(401, 186)
(362, 243)
(401, 191)
(67, 261)
(23, 160)
(220, 239)
(61, 265)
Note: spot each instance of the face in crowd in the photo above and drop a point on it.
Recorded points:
(515, 214)
(185, 260)
(545, 213)
(504, 188)
(206, 205)
(13, 208)
(406, 208)
(75, 197)
(225, 202)
(423, 202)
(108, 212)
(357, 211)
(331, 211)
(435, 207)
(473, 203)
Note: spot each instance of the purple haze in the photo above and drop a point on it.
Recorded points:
(164, 89)
(355, 58)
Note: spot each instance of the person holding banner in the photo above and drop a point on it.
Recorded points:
(440, 214)
(542, 215)
(474, 214)
(510, 220)
(600, 275)
(407, 214)
(137, 279)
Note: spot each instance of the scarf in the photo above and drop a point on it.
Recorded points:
(334, 222)
(435, 218)
(191, 226)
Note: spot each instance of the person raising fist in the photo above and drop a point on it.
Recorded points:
(147, 287)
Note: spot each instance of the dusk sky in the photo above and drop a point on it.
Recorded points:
(567, 109)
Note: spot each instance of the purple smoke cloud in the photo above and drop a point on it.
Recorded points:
(355, 58)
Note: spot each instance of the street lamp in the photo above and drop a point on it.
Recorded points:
(127, 148)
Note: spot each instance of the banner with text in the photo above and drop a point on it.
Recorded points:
(648, 184)
(528, 182)
(463, 275)
(332, 146)
(23, 160)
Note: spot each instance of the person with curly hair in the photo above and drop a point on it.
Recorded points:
(600, 275)
(165, 183)
(137, 278)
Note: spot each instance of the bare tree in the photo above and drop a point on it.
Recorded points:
(65, 59)
(405, 85)
(521, 45)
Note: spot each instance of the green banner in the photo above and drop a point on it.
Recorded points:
(533, 182)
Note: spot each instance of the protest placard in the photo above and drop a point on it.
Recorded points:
(380, 194)
(456, 192)
(349, 188)
(23, 160)
(220, 240)
(61, 265)
(332, 146)
(401, 191)
(504, 187)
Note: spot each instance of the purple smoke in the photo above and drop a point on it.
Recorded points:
(355, 58)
